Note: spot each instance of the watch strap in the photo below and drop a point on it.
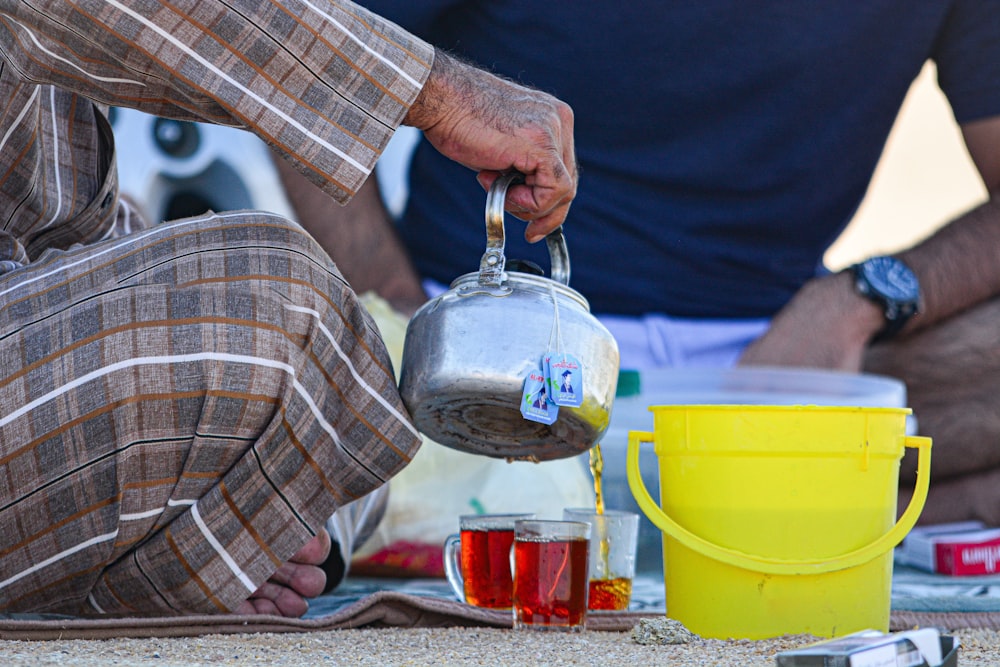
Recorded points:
(896, 313)
(894, 324)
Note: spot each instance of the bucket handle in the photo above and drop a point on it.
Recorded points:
(774, 565)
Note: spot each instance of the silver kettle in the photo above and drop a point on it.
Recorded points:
(468, 351)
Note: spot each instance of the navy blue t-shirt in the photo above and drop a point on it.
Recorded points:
(723, 144)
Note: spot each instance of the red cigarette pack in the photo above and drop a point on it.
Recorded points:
(972, 554)
(961, 549)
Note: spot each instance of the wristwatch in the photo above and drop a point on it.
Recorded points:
(891, 284)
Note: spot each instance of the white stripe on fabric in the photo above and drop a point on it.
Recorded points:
(115, 246)
(93, 603)
(59, 556)
(145, 515)
(318, 414)
(126, 213)
(108, 234)
(70, 63)
(246, 91)
(219, 549)
(360, 43)
(54, 112)
(20, 117)
(140, 515)
(165, 360)
(354, 373)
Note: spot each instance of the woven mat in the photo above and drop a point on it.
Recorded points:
(375, 610)
(375, 603)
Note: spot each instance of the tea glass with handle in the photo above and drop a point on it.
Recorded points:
(477, 559)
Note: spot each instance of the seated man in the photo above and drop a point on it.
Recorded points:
(183, 407)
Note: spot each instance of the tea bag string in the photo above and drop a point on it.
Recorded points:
(560, 569)
(556, 332)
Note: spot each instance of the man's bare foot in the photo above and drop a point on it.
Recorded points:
(285, 593)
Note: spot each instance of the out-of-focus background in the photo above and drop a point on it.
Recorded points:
(925, 178)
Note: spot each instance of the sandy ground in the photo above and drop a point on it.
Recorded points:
(443, 646)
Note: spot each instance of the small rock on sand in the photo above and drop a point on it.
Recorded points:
(661, 630)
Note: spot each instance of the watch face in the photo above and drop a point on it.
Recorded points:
(890, 277)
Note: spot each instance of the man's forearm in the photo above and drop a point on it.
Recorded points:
(359, 237)
(957, 266)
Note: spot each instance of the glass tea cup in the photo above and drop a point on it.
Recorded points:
(477, 559)
(549, 562)
(613, 541)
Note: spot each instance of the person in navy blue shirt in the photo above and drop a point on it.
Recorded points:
(723, 146)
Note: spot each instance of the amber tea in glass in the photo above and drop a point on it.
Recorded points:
(610, 594)
(477, 559)
(551, 574)
(614, 538)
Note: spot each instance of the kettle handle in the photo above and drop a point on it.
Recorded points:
(491, 266)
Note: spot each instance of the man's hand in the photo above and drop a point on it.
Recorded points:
(826, 325)
(492, 125)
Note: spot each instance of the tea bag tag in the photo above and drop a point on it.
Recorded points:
(565, 379)
(535, 403)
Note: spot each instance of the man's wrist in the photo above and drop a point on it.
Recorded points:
(426, 108)
(865, 316)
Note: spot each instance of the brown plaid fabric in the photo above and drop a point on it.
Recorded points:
(182, 407)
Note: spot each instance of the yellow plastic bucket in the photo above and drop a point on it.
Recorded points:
(778, 519)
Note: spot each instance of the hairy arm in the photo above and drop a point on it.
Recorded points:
(359, 237)
(491, 125)
(958, 266)
(486, 123)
